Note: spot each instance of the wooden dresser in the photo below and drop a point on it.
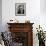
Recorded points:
(22, 33)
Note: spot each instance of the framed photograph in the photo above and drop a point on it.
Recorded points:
(20, 9)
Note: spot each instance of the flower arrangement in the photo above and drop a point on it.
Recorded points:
(40, 34)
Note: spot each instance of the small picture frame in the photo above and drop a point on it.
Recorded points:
(20, 9)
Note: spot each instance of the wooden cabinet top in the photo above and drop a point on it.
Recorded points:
(20, 23)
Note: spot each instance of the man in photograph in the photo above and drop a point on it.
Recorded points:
(20, 9)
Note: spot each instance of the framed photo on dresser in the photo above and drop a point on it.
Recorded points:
(20, 9)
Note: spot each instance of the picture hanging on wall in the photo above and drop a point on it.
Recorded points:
(20, 9)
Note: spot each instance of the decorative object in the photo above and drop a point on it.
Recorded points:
(27, 21)
(41, 36)
(20, 9)
(13, 21)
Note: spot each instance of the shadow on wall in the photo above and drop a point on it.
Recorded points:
(43, 6)
(0, 15)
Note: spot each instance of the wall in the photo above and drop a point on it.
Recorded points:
(0, 15)
(43, 14)
(43, 6)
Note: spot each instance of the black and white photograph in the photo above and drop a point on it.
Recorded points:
(20, 9)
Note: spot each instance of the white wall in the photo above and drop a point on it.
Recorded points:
(43, 6)
(43, 14)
